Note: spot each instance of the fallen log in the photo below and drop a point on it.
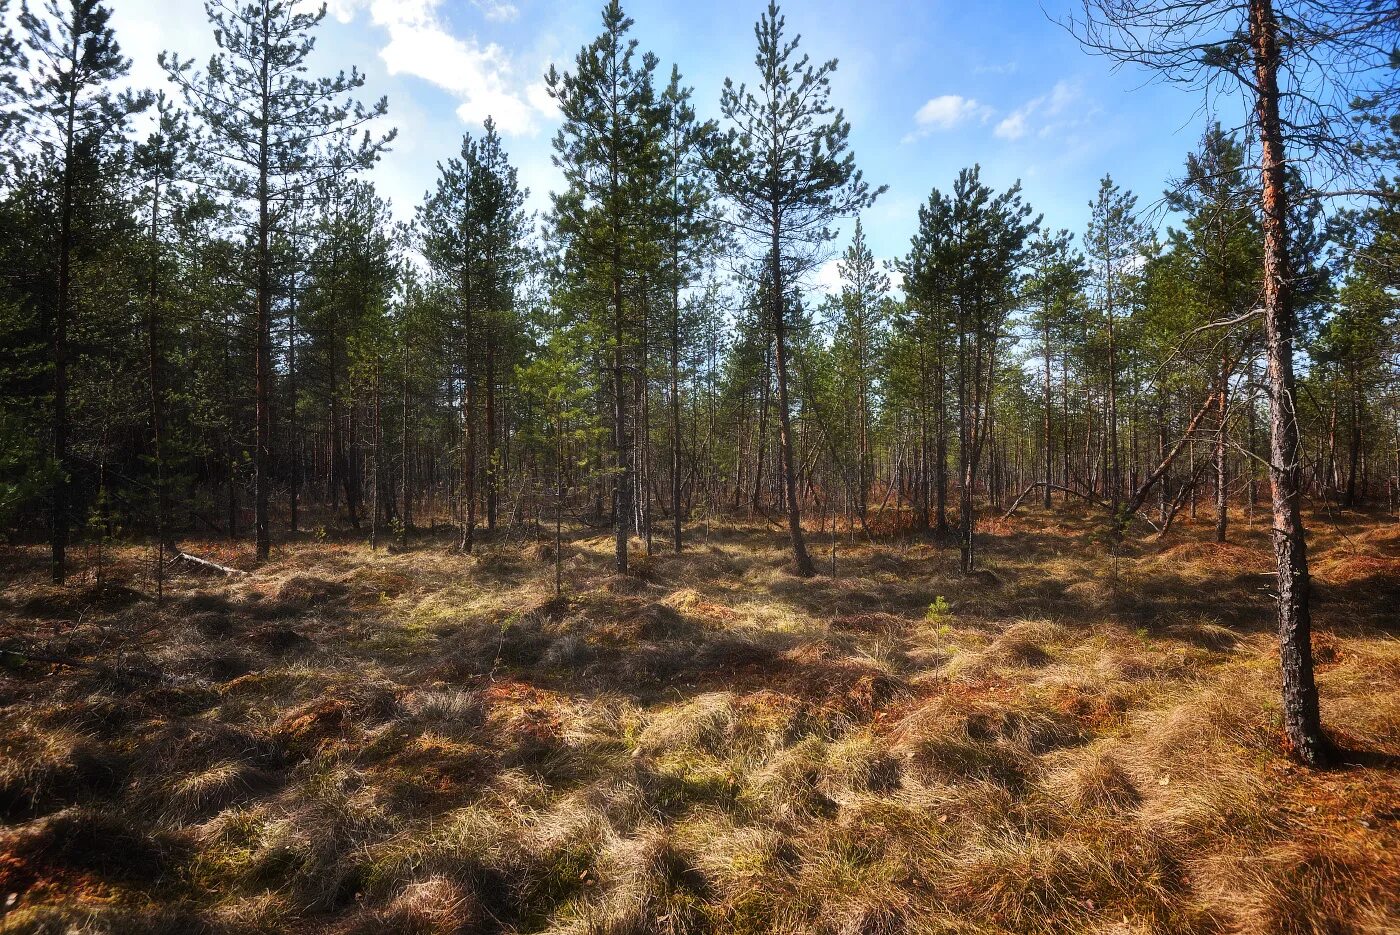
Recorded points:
(205, 563)
(1078, 493)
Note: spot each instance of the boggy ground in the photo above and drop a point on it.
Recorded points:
(1071, 740)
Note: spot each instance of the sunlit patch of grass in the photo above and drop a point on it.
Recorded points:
(1084, 739)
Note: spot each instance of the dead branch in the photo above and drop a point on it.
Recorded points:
(205, 563)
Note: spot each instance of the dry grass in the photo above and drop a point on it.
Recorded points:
(1075, 740)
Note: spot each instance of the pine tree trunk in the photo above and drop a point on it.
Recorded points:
(58, 520)
(492, 448)
(622, 503)
(262, 385)
(1047, 406)
(164, 537)
(404, 465)
(801, 561)
(675, 416)
(377, 477)
(1302, 721)
(1222, 480)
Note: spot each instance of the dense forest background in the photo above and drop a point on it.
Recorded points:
(211, 323)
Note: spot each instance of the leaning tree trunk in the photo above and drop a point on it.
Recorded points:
(1301, 719)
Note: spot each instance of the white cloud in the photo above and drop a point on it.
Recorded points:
(1013, 125)
(537, 93)
(482, 77)
(826, 279)
(1044, 108)
(946, 112)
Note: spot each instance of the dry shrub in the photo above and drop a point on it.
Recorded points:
(45, 770)
(94, 918)
(1305, 888)
(444, 706)
(885, 624)
(693, 603)
(707, 722)
(226, 783)
(513, 863)
(1360, 704)
(741, 861)
(1095, 781)
(213, 624)
(278, 640)
(1206, 634)
(630, 584)
(936, 745)
(255, 913)
(300, 593)
(1072, 883)
(1354, 568)
(850, 884)
(70, 603)
(1095, 703)
(84, 840)
(1196, 763)
(719, 748)
(313, 848)
(373, 584)
(1023, 645)
(434, 906)
(642, 884)
(192, 768)
(789, 785)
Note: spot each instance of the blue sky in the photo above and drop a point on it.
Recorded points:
(929, 87)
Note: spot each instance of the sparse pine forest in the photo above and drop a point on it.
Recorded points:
(608, 568)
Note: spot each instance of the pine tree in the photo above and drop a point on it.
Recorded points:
(1346, 50)
(163, 161)
(966, 258)
(608, 147)
(786, 167)
(1057, 279)
(691, 234)
(859, 336)
(72, 115)
(12, 62)
(1220, 245)
(275, 131)
(473, 228)
(1114, 244)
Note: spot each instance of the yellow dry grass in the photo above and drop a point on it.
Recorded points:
(1077, 739)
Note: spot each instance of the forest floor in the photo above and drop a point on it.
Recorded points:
(1073, 739)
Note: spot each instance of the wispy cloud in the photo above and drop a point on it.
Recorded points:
(946, 112)
(1040, 111)
(1002, 68)
(481, 77)
(497, 11)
